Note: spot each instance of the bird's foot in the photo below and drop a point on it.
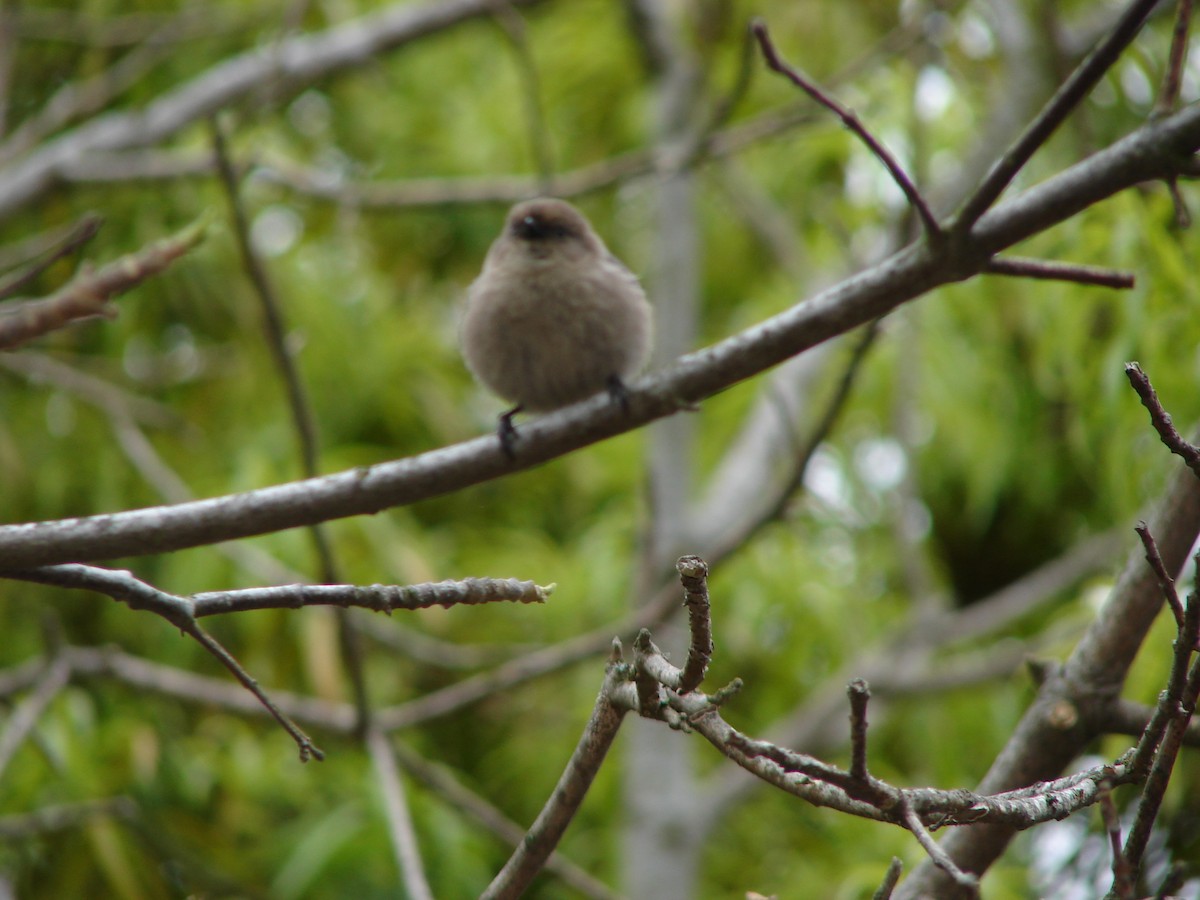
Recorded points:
(618, 392)
(507, 432)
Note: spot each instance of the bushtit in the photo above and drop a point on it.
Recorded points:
(553, 317)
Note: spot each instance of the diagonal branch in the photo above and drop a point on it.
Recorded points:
(547, 830)
(1150, 153)
(89, 294)
(933, 231)
(290, 65)
(1081, 82)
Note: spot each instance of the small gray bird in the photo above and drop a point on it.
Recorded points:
(553, 317)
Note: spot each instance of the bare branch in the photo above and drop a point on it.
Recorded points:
(1122, 875)
(88, 294)
(78, 235)
(1161, 419)
(386, 598)
(1149, 153)
(376, 597)
(693, 573)
(400, 824)
(24, 718)
(933, 231)
(292, 64)
(940, 858)
(1168, 97)
(1165, 581)
(859, 693)
(546, 831)
(1065, 99)
(884, 892)
(208, 642)
(442, 781)
(1165, 732)
(1059, 271)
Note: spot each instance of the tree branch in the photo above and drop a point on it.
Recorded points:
(1150, 153)
(1065, 99)
(88, 294)
(933, 231)
(288, 65)
(568, 794)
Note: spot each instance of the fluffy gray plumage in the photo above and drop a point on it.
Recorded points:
(553, 317)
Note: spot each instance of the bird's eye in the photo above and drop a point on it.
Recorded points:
(534, 227)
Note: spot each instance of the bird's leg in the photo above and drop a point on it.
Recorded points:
(507, 432)
(618, 392)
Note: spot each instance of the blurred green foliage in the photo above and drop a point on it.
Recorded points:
(1026, 438)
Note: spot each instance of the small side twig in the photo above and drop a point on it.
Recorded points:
(439, 779)
(27, 713)
(209, 643)
(513, 26)
(1168, 97)
(860, 693)
(1175, 708)
(934, 850)
(81, 232)
(1161, 419)
(1165, 582)
(1122, 886)
(890, 880)
(933, 231)
(1047, 270)
(693, 574)
(88, 293)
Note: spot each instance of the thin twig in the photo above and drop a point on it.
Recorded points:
(1165, 582)
(1161, 419)
(693, 574)
(81, 232)
(513, 26)
(567, 796)
(1176, 706)
(299, 405)
(450, 789)
(1059, 271)
(804, 454)
(1065, 99)
(890, 880)
(940, 857)
(1122, 886)
(859, 693)
(88, 294)
(303, 741)
(1183, 215)
(27, 713)
(1168, 97)
(400, 824)
(933, 231)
